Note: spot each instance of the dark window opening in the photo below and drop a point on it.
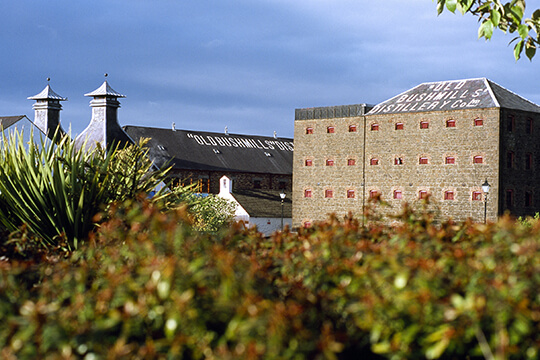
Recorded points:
(509, 199)
(528, 199)
(510, 160)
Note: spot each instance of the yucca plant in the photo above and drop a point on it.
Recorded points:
(57, 189)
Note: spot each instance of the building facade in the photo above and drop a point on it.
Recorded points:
(439, 140)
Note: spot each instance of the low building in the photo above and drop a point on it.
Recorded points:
(268, 210)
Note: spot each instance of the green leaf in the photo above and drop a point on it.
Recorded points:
(440, 6)
(495, 17)
(451, 5)
(486, 30)
(518, 49)
(530, 49)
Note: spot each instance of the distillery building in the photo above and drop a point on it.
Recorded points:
(440, 140)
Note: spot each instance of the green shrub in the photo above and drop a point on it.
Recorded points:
(148, 285)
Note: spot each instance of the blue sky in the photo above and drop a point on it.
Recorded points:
(244, 64)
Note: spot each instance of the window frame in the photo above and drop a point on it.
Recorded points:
(374, 161)
(478, 159)
(399, 126)
(450, 160)
(422, 194)
(351, 162)
(331, 129)
(424, 125)
(329, 162)
(374, 127)
(328, 193)
(351, 194)
(478, 122)
(451, 123)
(510, 159)
(423, 160)
(309, 130)
(353, 128)
(397, 194)
(308, 193)
(449, 195)
(476, 195)
(308, 162)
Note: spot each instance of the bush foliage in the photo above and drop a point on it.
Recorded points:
(148, 286)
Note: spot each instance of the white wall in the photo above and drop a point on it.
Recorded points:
(269, 225)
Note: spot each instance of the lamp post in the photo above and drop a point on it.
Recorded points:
(485, 189)
(282, 196)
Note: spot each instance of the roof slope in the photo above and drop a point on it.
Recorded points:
(263, 203)
(7, 121)
(207, 151)
(454, 95)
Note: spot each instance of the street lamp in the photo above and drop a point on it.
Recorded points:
(282, 196)
(485, 189)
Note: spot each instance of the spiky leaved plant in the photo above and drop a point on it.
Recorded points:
(57, 189)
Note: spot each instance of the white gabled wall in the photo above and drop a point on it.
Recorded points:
(225, 189)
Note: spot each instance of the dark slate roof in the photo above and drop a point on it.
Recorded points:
(331, 112)
(208, 151)
(454, 95)
(264, 203)
(7, 121)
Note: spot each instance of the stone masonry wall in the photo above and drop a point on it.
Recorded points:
(380, 171)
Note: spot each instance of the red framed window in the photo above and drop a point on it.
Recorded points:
(398, 161)
(477, 195)
(374, 161)
(422, 194)
(309, 162)
(528, 199)
(307, 193)
(374, 127)
(329, 162)
(350, 194)
(510, 160)
(351, 162)
(373, 194)
(398, 194)
(399, 126)
(309, 130)
(423, 160)
(510, 123)
(307, 224)
(424, 124)
(449, 195)
(450, 123)
(352, 128)
(330, 130)
(530, 126)
(478, 159)
(528, 161)
(478, 122)
(509, 198)
(450, 160)
(328, 193)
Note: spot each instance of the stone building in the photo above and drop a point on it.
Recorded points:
(442, 140)
(202, 158)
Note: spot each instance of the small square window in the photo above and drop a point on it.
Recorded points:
(329, 162)
(351, 162)
(476, 196)
(309, 162)
(530, 126)
(422, 194)
(352, 128)
(350, 194)
(374, 161)
(528, 161)
(478, 122)
(398, 161)
(478, 159)
(256, 184)
(398, 194)
(424, 125)
(528, 199)
(328, 193)
(423, 160)
(374, 127)
(307, 193)
(450, 123)
(309, 130)
(282, 185)
(509, 199)
(450, 160)
(399, 126)
(373, 194)
(510, 160)
(448, 195)
(307, 224)
(510, 123)
(330, 130)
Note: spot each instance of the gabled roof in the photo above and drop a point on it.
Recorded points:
(208, 151)
(7, 121)
(264, 203)
(454, 95)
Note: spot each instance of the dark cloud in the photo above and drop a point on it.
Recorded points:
(242, 64)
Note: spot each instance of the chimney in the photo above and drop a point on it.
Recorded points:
(47, 112)
(103, 128)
